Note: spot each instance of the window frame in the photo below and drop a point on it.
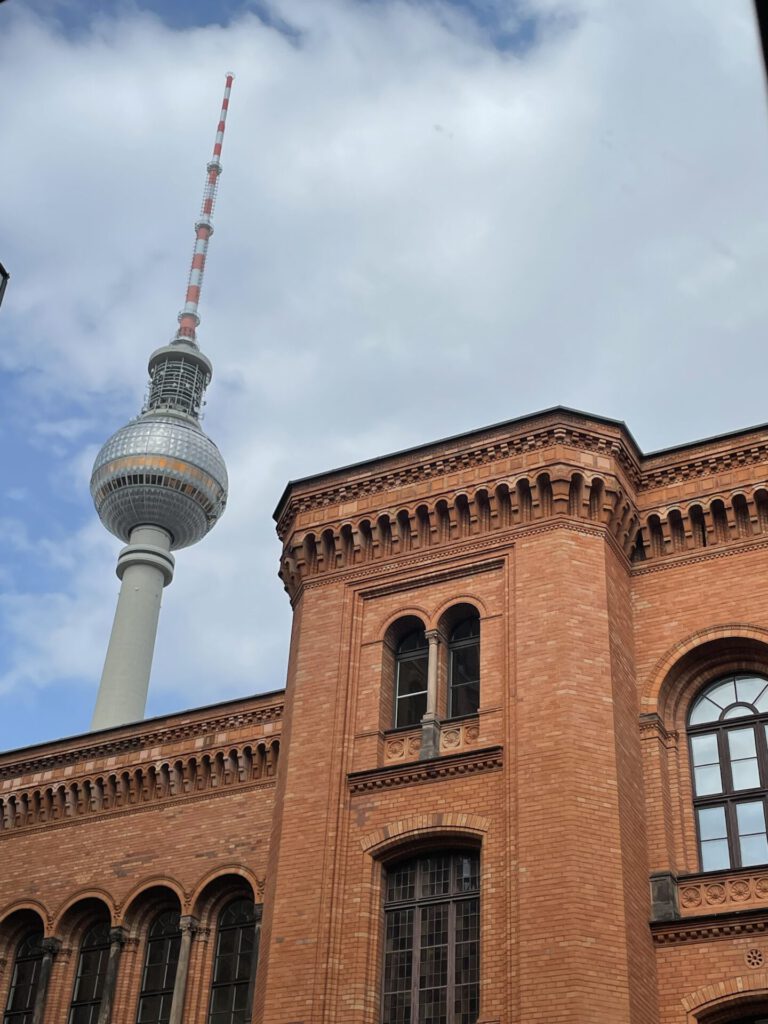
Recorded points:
(417, 904)
(103, 948)
(214, 985)
(420, 653)
(24, 1015)
(169, 937)
(461, 645)
(729, 798)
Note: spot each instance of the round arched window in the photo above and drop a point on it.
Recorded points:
(728, 736)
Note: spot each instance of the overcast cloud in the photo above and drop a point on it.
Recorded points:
(432, 216)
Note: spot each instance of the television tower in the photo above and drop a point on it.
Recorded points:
(159, 484)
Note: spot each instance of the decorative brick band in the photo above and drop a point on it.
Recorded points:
(423, 824)
(474, 762)
(709, 894)
(143, 740)
(691, 930)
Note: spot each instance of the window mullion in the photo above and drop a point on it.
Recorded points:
(416, 959)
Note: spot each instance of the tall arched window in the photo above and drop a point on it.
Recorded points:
(728, 736)
(464, 667)
(234, 965)
(160, 962)
(91, 972)
(432, 940)
(411, 678)
(26, 972)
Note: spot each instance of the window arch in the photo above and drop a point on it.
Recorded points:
(728, 738)
(464, 667)
(234, 963)
(411, 659)
(20, 1005)
(159, 973)
(432, 939)
(91, 973)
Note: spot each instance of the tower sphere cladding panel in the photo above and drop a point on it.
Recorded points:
(160, 470)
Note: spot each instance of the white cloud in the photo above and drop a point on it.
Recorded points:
(416, 234)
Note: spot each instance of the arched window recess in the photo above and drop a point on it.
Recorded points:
(411, 663)
(91, 975)
(728, 737)
(161, 960)
(234, 964)
(464, 667)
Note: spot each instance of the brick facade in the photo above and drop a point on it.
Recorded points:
(610, 586)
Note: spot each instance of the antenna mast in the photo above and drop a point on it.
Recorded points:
(188, 317)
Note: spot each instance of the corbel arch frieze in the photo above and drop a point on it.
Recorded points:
(551, 491)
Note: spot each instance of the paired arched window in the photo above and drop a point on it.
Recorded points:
(411, 678)
(728, 736)
(234, 965)
(432, 940)
(464, 668)
(91, 974)
(26, 973)
(159, 974)
(460, 693)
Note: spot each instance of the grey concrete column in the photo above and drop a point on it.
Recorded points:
(189, 926)
(50, 948)
(144, 567)
(116, 943)
(430, 723)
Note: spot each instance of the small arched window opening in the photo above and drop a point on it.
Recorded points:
(464, 667)
(728, 737)
(432, 940)
(411, 678)
(234, 964)
(159, 975)
(20, 1005)
(90, 976)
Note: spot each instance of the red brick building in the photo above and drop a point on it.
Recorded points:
(517, 775)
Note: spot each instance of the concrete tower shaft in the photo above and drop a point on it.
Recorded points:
(159, 483)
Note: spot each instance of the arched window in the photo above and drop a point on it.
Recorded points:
(26, 972)
(160, 962)
(411, 678)
(234, 965)
(464, 668)
(91, 972)
(432, 940)
(727, 732)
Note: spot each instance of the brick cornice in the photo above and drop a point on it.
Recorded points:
(488, 759)
(722, 926)
(733, 547)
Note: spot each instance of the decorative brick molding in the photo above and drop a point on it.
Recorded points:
(454, 736)
(123, 788)
(710, 995)
(692, 930)
(710, 894)
(423, 825)
(449, 766)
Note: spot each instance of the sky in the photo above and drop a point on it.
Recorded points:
(433, 215)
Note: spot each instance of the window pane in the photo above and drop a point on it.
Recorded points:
(433, 965)
(754, 850)
(465, 664)
(465, 700)
(704, 748)
(435, 874)
(398, 966)
(741, 742)
(411, 710)
(715, 856)
(738, 711)
(712, 823)
(467, 873)
(401, 882)
(704, 711)
(745, 774)
(412, 676)
(723, 694)
(749, 688)
(751, 817)
(762, 701)
(467, 966)
(708, 780)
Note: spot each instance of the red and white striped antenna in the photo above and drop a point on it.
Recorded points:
(188, 317)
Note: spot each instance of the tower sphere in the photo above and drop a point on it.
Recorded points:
(160, 470)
